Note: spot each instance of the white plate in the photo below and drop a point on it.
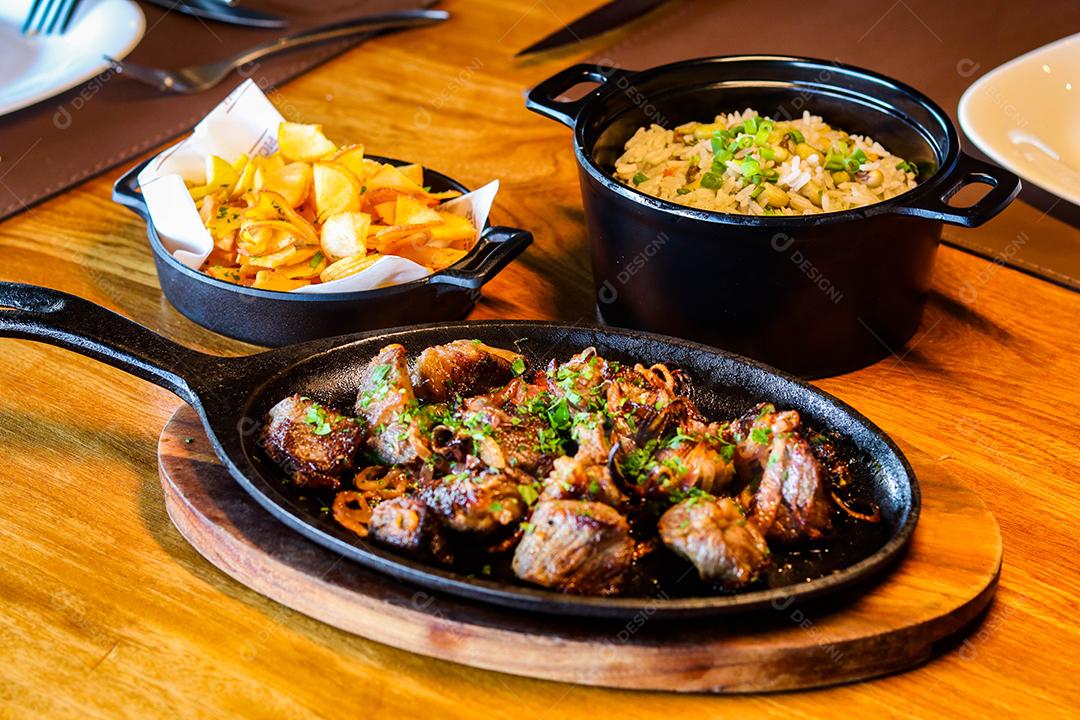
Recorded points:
(39, 67)
(1026, 116)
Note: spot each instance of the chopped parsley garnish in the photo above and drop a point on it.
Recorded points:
(676, 465)
(760, 435)
(635, 464)
(316, 418)
(380, 385)
(677, 440)
(528, 493)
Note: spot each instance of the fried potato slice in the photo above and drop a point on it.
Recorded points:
(272, 280)
(274, 259)
(431, 257)
(344, 234)
(221, 272)
(245, 181)
(413, 171)
(391, 178)
(352, 158)
(292, 182)
(455, 231)
(336, 190)
(219, 173)
(385, 211)
(348, 266)
(410, 211)
(395, 243)
(307, 143)
(308, 269)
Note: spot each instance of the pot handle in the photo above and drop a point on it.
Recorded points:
(31, 312)
(126, 191)
(496, 249)
(1004, 186)
(541, 99)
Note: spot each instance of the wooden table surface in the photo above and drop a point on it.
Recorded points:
(106, 611)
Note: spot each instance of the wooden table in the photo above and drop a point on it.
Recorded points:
(105, 610)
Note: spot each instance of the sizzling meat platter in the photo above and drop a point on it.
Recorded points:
(588, 476)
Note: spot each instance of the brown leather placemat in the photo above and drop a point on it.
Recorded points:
(57, 143)
(938, 46)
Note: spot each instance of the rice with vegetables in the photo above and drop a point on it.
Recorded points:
(745, 164)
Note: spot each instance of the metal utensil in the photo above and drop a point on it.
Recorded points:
(226, 12)
(47, 17)
(606, 17)
(196, 78)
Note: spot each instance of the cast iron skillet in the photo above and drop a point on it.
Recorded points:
(267, 317)
(232, 394)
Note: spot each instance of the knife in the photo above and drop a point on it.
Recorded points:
(606, 17)
(223, 12)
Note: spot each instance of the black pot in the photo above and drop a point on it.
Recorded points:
(814, 295)
(272, 318)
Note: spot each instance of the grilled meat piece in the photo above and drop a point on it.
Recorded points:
(674, 452)
(715, 536)
(475, 499)
(406, 523)
(462, 367)
(685, 463)
(593, 443)
(574, 479)
(786, 485)
(575, 546)
(313, 444)
(634, 394)
(505, 436)
(386, 404)
(581, 380)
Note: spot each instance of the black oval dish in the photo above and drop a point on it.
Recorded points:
(814, 295)
(271, 318)
(231, 395)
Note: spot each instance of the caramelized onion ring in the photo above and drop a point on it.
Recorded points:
(873, 517)
(354, 518)
(353, 508)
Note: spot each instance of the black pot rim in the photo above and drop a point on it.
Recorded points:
(924, 188)
(355, 295)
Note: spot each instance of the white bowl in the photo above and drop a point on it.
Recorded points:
(1026, 116)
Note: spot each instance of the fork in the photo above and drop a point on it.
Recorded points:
(52, 12)
(196, 78)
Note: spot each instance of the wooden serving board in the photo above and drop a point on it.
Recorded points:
(942, 584)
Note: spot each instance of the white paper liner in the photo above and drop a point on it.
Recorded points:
(246, 122)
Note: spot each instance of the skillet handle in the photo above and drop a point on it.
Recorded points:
(1004, 186)
(496, 249)
(31, 312)
(541, 99)
(126, 191)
